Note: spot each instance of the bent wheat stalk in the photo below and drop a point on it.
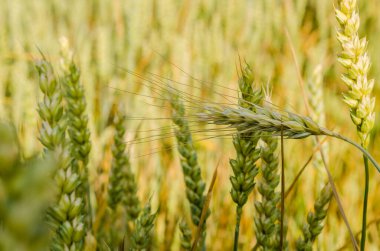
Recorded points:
(293, 126)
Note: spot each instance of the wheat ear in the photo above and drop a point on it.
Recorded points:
(50, 109)
(317, 108)
(315, 219)
(123, 187)
(195, 186)
(244, 165)
(355, 59)
(274, 122)
(141, 236)
(78, 131)
(268, 213)
(186, 235)
(66, 216)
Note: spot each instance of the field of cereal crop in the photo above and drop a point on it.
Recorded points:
(189, 125)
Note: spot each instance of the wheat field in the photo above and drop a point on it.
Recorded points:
(114, 116)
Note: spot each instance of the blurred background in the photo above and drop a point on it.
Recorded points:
(197, 43)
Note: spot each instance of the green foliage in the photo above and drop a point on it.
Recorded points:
(26, 191)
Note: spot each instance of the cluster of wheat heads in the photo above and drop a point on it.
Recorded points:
(255, 127)
(64, 131)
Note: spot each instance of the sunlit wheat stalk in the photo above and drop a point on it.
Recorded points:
(355, 59)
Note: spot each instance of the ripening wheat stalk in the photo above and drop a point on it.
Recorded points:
(355, 59)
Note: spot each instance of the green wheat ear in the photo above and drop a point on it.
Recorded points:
(268, 213)
(244, 165)
(315, 219)
(141, 236)
(186, 235)
(123, 187)
(79, 134)
(66, 216)
(195, 186)
(50, 109)
(122, 190)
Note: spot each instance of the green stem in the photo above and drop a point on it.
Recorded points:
(282, 192)
(366, 186)
(237, 227)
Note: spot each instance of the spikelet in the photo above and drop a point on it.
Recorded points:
(186, 236)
